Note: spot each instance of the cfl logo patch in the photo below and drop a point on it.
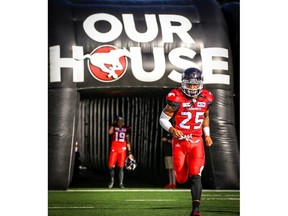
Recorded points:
(201, 104)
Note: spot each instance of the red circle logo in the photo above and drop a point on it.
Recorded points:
(107, 63)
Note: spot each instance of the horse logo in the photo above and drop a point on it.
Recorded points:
(107, 63)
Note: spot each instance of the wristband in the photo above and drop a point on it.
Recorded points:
(206, 131)
(129, 152)
(164, 121)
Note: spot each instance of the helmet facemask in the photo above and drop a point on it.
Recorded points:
(130, 164)
(189, 87)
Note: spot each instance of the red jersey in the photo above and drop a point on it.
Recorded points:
(189, 113)
(119, 137)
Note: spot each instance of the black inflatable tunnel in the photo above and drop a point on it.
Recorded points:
(231, 12)
(122, 57)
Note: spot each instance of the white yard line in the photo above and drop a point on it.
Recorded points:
(71, 207)
(150, 200)
(136, 190)
(232, 197)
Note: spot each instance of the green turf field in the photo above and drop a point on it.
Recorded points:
(144, 202)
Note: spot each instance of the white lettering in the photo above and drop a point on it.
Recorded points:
(181, 30)
(208, 65)
(56, 63)
(166, 22)
(133, 34)
(115, 31)
(159, 65)
(175, 59)
(178, 57)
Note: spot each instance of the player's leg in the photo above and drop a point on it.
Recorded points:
(172, 173)
(173, 178)
(111, 165)
(169, 167)
(196, 192)
(121, 163)
(180, 167)
(196, 160)
(121, 177)
(111, 182)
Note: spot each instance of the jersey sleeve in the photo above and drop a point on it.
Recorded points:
(210, 98)
(128, 130)
(173, 99)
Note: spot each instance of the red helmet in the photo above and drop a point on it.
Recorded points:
(192, 82)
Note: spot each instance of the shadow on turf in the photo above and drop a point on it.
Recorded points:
(90, 179)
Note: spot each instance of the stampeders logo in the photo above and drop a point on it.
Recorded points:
(107, 63)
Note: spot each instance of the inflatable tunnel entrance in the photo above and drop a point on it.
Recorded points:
(122, 57)
(141, 113)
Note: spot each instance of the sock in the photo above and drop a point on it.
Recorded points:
(196, 192)
(121, 175)
(170, 177)
(173, 178)
(111, 174)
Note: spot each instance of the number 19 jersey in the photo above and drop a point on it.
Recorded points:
(119, 137)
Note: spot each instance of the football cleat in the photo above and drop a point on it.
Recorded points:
(195, 214)
(168, 186)
(130, 164)
(110, 185)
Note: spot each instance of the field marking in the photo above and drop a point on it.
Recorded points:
(71, 207)
(135, 190)
(219, 195)
(170, 200)
(227, 198)
(139, 200)
(150, 200)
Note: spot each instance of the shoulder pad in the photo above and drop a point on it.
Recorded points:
(208, 95)
(174, 95)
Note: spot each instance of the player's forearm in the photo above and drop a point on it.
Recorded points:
(111, 129)
(176, 133)
(129, 149)
(206, 121)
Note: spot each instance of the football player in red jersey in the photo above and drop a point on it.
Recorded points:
(120, 144)
(189, 106)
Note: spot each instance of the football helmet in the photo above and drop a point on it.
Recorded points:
(119, 117)
(119, 121)
(192, 76)
(130, 164)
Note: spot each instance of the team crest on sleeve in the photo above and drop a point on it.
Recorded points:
(171, 94)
